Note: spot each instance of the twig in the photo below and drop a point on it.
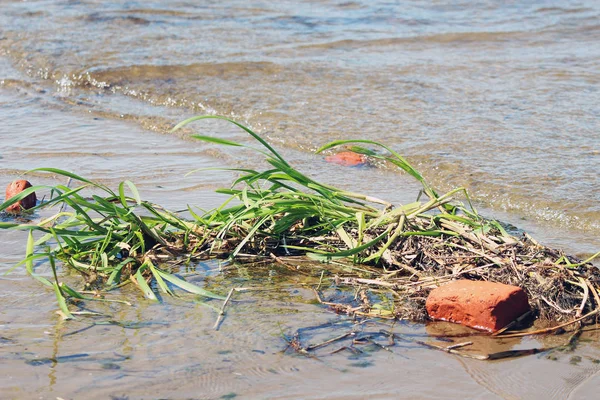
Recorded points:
(381, 346)
(555, 306)
(532, 240)
(222, 312)
(351, 349)
(513, 323)
(377, 282)
(586, 293)
(325, 343)
(455, 346)
(550, 330)
(452, 351)
(594, 292)
(320, 281)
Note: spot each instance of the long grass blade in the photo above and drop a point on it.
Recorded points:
(248, 130)
(62, 303)
(187, 286)
(140, 281)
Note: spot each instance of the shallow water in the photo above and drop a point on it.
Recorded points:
(500, 98)
(170, 350)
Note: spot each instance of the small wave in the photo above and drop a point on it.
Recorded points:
(105, 18)
(563, 10)
(443, 38)
(170, 72)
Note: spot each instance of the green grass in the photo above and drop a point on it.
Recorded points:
(107, 237)
(113, 237)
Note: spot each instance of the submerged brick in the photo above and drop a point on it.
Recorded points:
(13, 189)
(347, 158)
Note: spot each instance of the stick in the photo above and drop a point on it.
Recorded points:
(288, 266)
(320, 281)
(594, 292)
(513, 323)
(555, 306)
(222, 312)
(455, 346)
(452, 351)
(586, 293)
(377, 282)
(381, 346)
(550, 330)
(325, 343)
(351, 349)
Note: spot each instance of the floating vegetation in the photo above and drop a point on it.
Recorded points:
(392, 254)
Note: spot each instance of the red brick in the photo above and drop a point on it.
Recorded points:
(347, 158)
(478, 304)
(13, 189)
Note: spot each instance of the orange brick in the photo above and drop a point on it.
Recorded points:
(347, 158)
(478, 304)
(13, 189)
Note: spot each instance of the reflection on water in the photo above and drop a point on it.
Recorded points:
(501, 98)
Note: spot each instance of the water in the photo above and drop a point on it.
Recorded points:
(499, 98)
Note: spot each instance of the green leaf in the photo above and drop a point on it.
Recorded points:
(29, 257)
(190, 287)
(217, 140)
(134, 191)
(141, 283)
(248, 130)
(62, 304)
(350, 242)
(72, 292)
(19, 196)
(69, 175)
(159, 280)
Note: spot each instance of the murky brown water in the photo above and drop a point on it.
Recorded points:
(502, 99)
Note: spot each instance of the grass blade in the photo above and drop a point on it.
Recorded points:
(62, 303)
(140, 281)
(187, 286)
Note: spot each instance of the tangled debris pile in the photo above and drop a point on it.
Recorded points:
(559, 287)
(397, 253)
